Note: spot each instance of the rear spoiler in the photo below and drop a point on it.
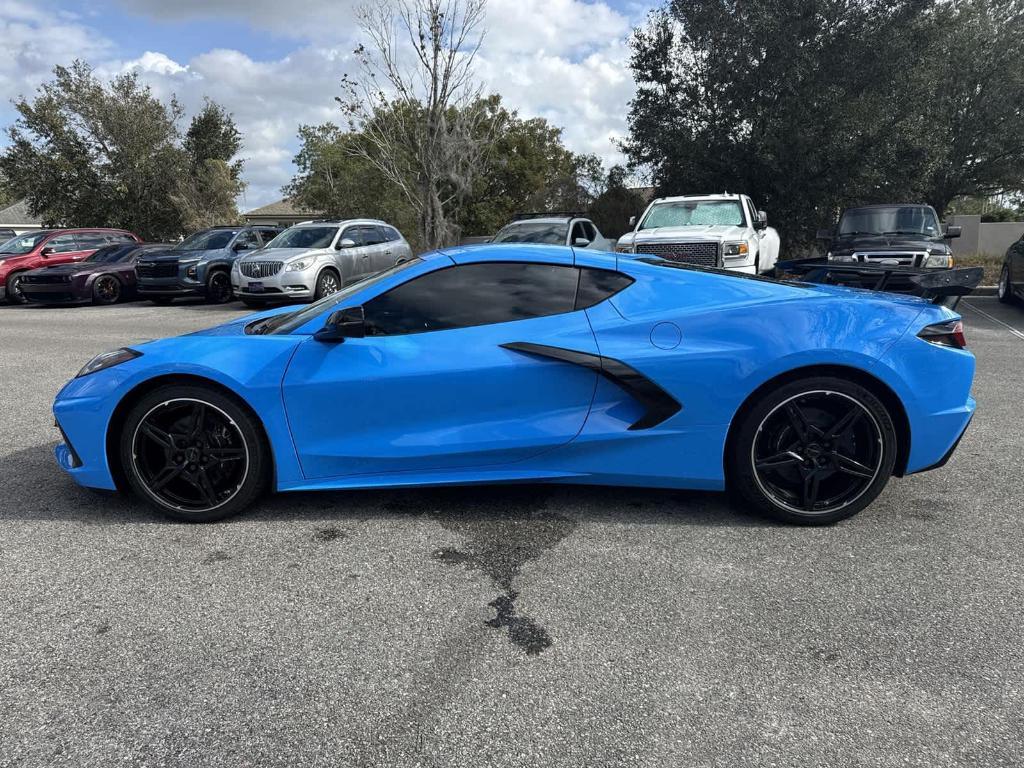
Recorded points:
(941, 286)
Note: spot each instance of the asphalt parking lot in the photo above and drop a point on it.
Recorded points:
(505, 626)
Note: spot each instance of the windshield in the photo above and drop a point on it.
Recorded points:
(890, 220)
(305, 237)
(553, 233)
(111, 254)
(289, 321)
(694, 213)
(208, 240)
(23, 243)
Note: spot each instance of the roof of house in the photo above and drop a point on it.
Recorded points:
(283, 207)
(18, 213)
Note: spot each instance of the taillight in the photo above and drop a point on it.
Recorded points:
(949, 334)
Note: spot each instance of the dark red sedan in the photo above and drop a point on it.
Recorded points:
(105, 277)
(33, 250)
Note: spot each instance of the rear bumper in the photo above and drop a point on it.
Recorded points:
(952, 449)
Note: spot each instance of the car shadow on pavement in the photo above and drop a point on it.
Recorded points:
(35, 488)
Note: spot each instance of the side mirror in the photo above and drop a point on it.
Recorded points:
(581, 242)
(45, 253)
(952, 232)
(823, 234)
(346, 242)
(632, 221)
(348, 323)
(242, 246)
(761, 221)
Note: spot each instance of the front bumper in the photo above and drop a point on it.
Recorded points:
(173, 286)
(280, 287)
(54, 293)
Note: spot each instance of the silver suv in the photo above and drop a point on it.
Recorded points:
(315, 258)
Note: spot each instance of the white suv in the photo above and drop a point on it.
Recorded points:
(708, 231)
(311, 260)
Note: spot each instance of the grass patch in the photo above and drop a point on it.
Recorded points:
(992, 263)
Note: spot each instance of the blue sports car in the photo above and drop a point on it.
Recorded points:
(528, 364)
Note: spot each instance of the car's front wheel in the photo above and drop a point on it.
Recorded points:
(194, 453)
(326, 284)
(218, 287)
(1004, 289)
(106, 290)
(813, 451)
(14, 292)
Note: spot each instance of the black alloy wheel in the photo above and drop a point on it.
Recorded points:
(326, 284)
(815, 452)
(1004, 289)
(194, 453)
(218, 287)
(106, 290)
(14, 293)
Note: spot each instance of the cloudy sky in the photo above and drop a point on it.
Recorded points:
(276, 64)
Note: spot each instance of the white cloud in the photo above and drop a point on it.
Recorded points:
(564, 60)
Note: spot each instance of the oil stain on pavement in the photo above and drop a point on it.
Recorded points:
(503, 529)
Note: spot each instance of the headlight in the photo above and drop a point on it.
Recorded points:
(734, 250)
(192, 272)
(941, 260)
(108, 360)
(298, 266)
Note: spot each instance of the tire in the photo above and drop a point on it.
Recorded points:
(218, 287)
(197, 470)
(784, 455)
(14, 294)
(162, 301)
(106, 289)
(327, 282)
(254, 303)
(1004, 290)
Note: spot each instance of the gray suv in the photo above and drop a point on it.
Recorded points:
(316, 258)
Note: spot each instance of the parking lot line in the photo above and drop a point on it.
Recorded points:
(1007, 326)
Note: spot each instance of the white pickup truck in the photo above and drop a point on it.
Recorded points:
(724, 231)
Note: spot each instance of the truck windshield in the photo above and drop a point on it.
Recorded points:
(694, 213)
(890, 220)
(553, 233)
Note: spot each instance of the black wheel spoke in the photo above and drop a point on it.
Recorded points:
(845, 424)
(157, 435)
(784, 459)
(206, 487)
(165, 476)
(195, 424)
(812, 484)
(852, 466)
(225, 454)
(804, 430)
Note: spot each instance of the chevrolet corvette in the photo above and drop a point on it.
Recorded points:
(531, 363)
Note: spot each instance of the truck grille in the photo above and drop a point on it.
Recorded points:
(260, 268)
(157, 269)
(698, 254)
(904, 259)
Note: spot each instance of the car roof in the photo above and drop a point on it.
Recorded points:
(887, 205)
(542, 220)
(339, 222)
(681, 198)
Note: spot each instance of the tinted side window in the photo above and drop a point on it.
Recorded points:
(392, 234)
(596, 285)
(356, 235)
(63, 244)
(89, 240)
(375, 236)
(118, 237)
(269, 234)
(473, 294)
(247, 240)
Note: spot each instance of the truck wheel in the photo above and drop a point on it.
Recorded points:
(218, 287)
(106, 290)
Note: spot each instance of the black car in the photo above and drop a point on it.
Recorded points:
(1011, 277)
(200, 265)
(906, 235)
(105, 277)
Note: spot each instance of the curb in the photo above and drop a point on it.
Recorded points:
(984, 290)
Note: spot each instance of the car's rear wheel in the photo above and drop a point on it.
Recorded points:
(14, 294)
(1004, 289)
(218, 287)
(813, 451)
(106, 290)
(327, 283)
(194, 453)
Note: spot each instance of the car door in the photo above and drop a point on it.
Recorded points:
(354, 261)
(64, 249)
(379, 248)
(431, 386)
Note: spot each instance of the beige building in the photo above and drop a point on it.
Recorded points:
(282, 213)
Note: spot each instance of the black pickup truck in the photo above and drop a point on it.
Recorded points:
(905, 235)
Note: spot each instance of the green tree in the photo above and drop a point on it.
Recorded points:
(808, 106)
(89, 153)
(207, 191)
(612, 209)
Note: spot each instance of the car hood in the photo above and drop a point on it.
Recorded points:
(883, 243)
(75, 269)
(714, 233)
(236, 327)
(184, 255)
